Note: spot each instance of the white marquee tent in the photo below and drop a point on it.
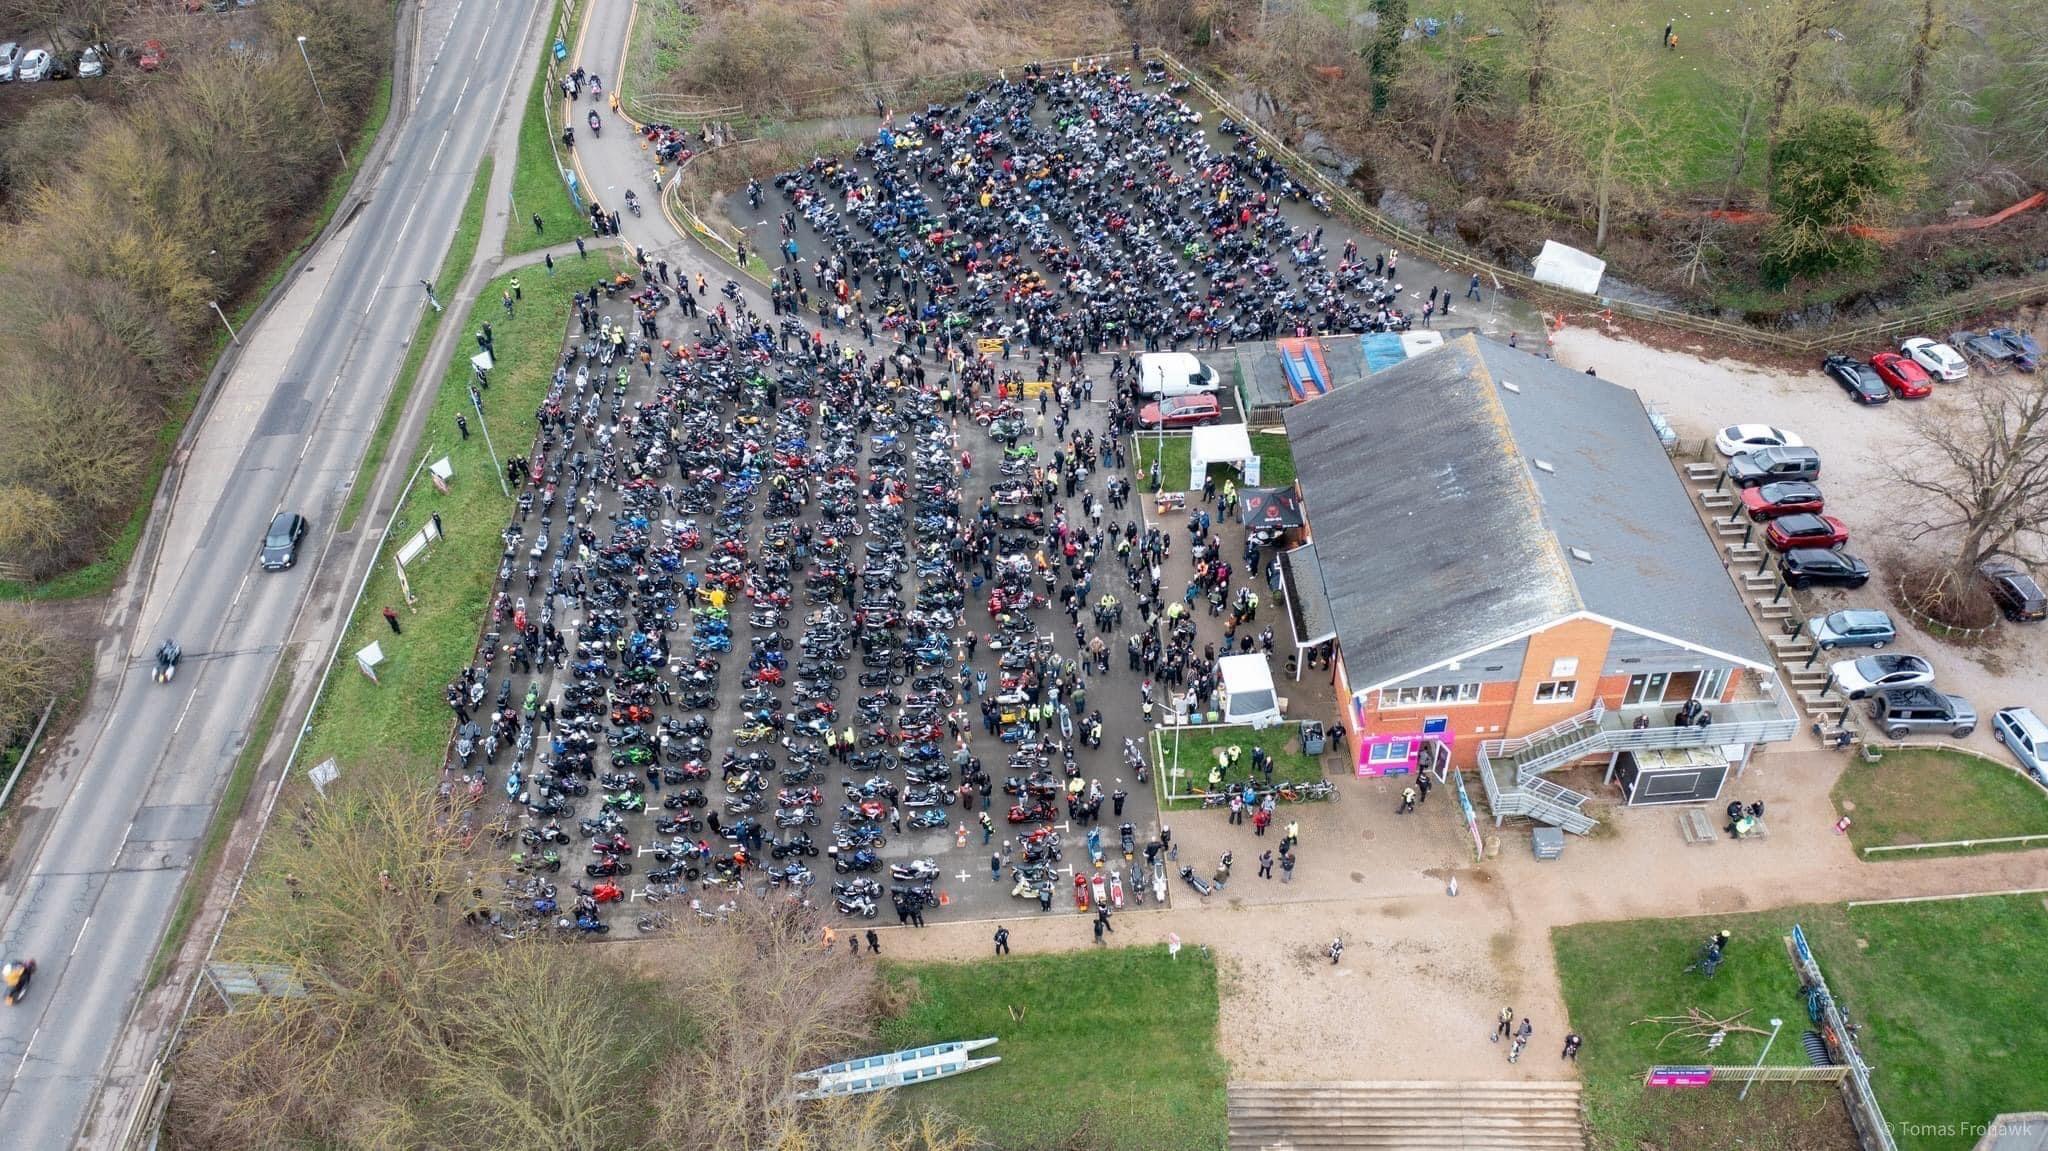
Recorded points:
(1222, 444)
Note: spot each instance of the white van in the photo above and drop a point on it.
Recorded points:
(1163, 375)
(1248, 694)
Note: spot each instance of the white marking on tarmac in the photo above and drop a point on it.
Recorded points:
(405, 227)
(431, 164)
(81, 936)
(183, 712)
(123, 842)
(19, 1067)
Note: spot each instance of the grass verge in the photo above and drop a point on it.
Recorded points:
(1198, 747)
(97, 577)
(461, 250)
(1109, 1049)
(240, 780)
(1932, 985)
(1933, 796)
(537, 185)
(1276, 460)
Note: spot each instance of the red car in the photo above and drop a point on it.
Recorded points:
(1181, 412)
(1907, 380)
(1806, 530)
(1790, 497)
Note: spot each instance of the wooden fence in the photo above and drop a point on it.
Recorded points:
(1772, 1074)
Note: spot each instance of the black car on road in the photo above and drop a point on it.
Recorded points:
(1807, 567)
(2016, 592)
(281, 542)
(1857, 378)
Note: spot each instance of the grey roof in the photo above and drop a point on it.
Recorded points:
(1308, 595)
(1440, 533)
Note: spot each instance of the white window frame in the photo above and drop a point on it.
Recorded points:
(1392, 751)
(1432, 695)
(1714, 678)
(1557, 691)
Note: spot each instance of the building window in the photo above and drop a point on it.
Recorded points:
(1557, 691)
(1713, 684)
(1436, 693)
(1395, 751)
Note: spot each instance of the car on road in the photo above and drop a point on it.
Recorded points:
(1736, 439)
(10, 61)
(1805, 530)
(1941, 361)
(1857, 378)
(1181, 412)
(2023, 734)
(281, 541)
(152, 56)
(34, 66)
(1852, 627)
(1856, 678)
(2016, 592)
(1902, 711)
(1906, 379)
(1806, 567)
(1788, 497)
(1768, 465)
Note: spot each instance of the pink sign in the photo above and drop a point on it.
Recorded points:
(1681, 1076)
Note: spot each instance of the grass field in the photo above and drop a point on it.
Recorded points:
(1952, 1032)
(1112, 1049)
(1934, 796)
(536, 180)
(1197, 749)
(1276, 460)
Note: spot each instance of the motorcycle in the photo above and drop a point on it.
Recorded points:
(596, 124)
(1202, 886)
(916, 871)
(167, 658)
(18, 973)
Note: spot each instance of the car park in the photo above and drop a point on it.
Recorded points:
(34, 66)
(1166, 374)
(1852, 627)
(1768, 465)
(1181, 412)
(2026, 351)
(2014, 590)
(1787, 497)
(1941, 361)
(2023, 734)
(1805, 530)
(1858, 379)
(1736, 439)
(1903, 711)
(1906, 379)
(281, 541)
(1807, 567)
(1857, 678)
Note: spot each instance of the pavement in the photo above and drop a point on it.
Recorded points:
(113, 826)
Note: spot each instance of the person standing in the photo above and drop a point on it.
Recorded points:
(1287, 869)
(391, 617)
(874, 942)
(1265, 865)
(1422, 783)
(1472, 288)
(1002, 940)
(1571, 1046)
(995, 866)
(1293, 835)
(1505, 1025)
(1407, 800)
(1336, 950)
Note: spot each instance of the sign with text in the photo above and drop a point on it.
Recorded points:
(1680, 1076)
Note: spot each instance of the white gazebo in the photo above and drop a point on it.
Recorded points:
(1221, 444)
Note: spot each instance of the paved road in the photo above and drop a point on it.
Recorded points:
(287, 433)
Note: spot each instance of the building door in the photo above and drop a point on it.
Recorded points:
(1712, 685)
(1647, 688)
(1681, 685)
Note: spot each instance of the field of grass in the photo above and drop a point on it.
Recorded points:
(1943, 1018)
(1933, 796)
(1112, 1049)
(661, 34)
(1276, 460)
(536, 180)
(461, 250)
(1197, 748)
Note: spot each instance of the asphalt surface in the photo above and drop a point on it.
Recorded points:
(287, 434)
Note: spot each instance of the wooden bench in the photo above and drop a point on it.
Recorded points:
(1695, 827)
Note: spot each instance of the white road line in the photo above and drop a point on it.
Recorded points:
(233, 603)
(81, 935)
(185, 711)
(21, 1066)
(459, 97)
(374, 293)
(431, 164)
(122, 843)
(405, 227)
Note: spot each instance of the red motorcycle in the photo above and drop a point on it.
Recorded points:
(1032, 813)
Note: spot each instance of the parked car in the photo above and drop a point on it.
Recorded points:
(34, 66)
(1852, 627)
(1768, 465)
(1805, 567)
(152, 56)
(1856, 678)
(281, 541)
(2023, 734)
(1941, 361)
(10, 60)
(1906, 379)
(1805, 530)
(2026, 351)
(1736, 439)
(1857, 378)
(1902, 711)
(1181, 412)
(1787, 497)
(2018, 596)
(90, 64)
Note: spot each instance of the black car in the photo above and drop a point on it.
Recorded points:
(1806, 567)
(1771, 465)
(2018, 596)
(281, 542)
(1857, 378)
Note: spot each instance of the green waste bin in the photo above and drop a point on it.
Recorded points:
(1312, 737)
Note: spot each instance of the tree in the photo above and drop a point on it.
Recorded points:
(36, 664)
(1537, 21)
(1978, 481)
(1835, 174)
(1591, 133)
(1795, 25)
(1383, 56)
(1926, 41)
(1444, 76)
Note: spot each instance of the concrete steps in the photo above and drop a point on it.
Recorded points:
(1420, 1115)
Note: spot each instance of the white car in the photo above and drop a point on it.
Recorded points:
(1941, 361)
(1856, 678)
(2023, 734)
(10, 60)
(35, 65)
(1736, 439)
(90, 64)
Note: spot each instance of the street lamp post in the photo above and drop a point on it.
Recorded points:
(322, 97)
(1775, 1024)
(215, 304)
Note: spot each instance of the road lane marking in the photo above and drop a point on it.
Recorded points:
(23, 1065)
(120, 845)
(180, 725)
(402, 230)
(431, 164)
(81, 936)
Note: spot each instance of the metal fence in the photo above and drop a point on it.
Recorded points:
(1872, 1132)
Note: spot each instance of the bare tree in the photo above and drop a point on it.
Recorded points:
(1443, 77)
(35, 665)
(1927, 36)
(1537, 21)
(1797, 24)
(1979, 481)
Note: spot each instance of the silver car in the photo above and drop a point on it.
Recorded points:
(2023, 734)
(10, 61)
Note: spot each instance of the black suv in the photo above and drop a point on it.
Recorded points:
(2018, 596)
(1805, 567)
(1857, 378)
(1771, 465)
